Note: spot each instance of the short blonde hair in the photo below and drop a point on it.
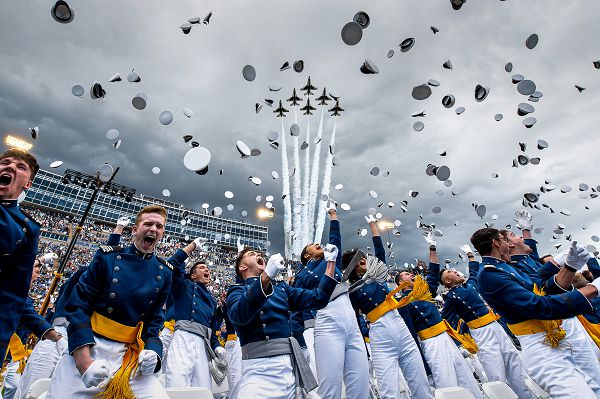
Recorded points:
(151, 209)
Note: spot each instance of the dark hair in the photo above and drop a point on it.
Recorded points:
(588, 275)
(397, 278)
(24, 156)
(482, 240)
(544, 259)
(303, 260)
(195, 266)
(239, 258)
(347, 257)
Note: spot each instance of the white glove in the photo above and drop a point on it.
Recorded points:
(331, 253)
(466, 249)
(97, 373)
(370, 219)
(330, 206)
(523, 219)
(577, 256)
(50, 257)
(596, 283)
(200, 243)
(148, 360)
(561, 258)
(61, 345)
(221, 353)
(240, 246)
(275, 265)
(430, 238)
(123, 221)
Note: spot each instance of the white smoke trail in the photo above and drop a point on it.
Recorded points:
(314, 180)
(325, 189)
(297, 193)
(307, 227)
(287, 207)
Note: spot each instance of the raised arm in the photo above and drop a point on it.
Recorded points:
(318, 298)
(377, 242)
(433, 271)
(335, 236)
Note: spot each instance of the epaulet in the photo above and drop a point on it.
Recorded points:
(489, 267)
(108, 249)
(30, 217)
(164, 262)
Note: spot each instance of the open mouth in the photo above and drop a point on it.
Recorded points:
(317, 246)
(207, 275)
(260, 261)
(5, 179)
(149, 240)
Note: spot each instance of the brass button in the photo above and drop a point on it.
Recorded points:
(160, 267)
(158, 278)
(112, 295)
(266, 337)
(156, 290)
(264, 326)
(118, 257)
(115, 281)
(117, 268)
(109, 310)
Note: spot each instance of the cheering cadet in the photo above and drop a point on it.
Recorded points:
(533, 313)
(18, 240)
(115, 314)
(232, 346)
(392, 346)
(340, 351)
(273, 365)
(194, 343)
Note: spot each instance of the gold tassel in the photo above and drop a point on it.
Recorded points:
(119, 387)
(593, 330)
(420, 292)
(554, 332)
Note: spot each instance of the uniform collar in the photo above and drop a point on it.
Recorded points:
(250, 280)
(8, 203)
(516, 258)
(490, 260)
(139, 253)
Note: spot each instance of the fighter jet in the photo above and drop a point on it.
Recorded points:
(336, 109)
(309, 88)
(280, 111)
(308, 108)
(323, 98)
(294, 99)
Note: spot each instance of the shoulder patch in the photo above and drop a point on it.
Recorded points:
(107, 249)
(164, 262)
(30, 218)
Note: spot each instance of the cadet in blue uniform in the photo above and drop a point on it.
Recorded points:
(340, 351)
(273, 365)
(46, 353)
(115, 314)
(448, 367)
(392, 346)
(535, 318)
(194, 343)
(499, 357)
(232, 346)
(19, 235)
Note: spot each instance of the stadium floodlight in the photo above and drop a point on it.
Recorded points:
(265, 213)
(17, 143)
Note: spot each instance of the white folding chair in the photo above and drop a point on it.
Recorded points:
(189, 393)
(537, 391)
(498, 390)
(453, 393)
(37, 388)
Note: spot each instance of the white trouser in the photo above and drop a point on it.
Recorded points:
(234, 362)
(448, 367)
(187, 362)
(312, 394)
(309, 338)
(41, 363)
(166, 336)
(340, 352)
(267, 377)
(583, 350)
(11, 380)
(393, 348)
(67, 383)
(500, 359)
(554, 369)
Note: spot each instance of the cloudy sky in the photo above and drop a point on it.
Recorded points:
(41, 60)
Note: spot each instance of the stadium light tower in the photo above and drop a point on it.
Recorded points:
(18, 143)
